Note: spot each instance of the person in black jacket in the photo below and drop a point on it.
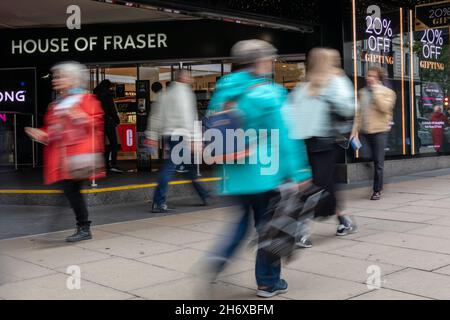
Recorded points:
(112, 120)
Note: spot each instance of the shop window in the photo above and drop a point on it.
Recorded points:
(288, 73)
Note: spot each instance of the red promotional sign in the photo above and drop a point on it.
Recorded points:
(127, 136)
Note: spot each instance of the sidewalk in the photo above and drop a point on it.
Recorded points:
(406, 235)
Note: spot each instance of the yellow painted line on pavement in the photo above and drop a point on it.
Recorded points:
(102, 190)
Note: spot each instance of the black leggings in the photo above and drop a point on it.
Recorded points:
(113, 148)
(72, 190)
(323, 165)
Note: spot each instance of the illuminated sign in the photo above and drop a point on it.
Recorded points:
(3, 117)
(432, 15)
(432, 48)
(80, 44)
(432, 41)
(18, 90)
(12, 96)
(380, 32)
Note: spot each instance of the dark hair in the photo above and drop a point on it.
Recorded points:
(156, 87)
(381, 73)
(103, 87)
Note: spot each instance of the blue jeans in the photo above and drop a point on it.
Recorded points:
(268, 266)
(166, 175)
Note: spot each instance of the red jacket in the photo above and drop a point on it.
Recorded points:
(72, 137)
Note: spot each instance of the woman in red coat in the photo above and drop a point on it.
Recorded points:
(74, 139)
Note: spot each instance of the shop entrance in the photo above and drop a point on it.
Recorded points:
(133, 97)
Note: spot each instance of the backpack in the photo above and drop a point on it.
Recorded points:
(228, 119)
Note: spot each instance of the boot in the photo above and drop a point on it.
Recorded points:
(82, 233)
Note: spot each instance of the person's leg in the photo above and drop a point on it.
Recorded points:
(109, 147)
(72, 190)
(167, 171)
(114, 146)
(192, 174)
(268, 266)
(323, 169)
(379, 145)
(221, 256)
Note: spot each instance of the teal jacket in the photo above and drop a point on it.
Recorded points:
(260, 104)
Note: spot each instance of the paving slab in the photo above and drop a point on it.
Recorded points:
(127, 275)
(410, 241)
(54, 287)
(128, 247)
(386, 294)
(422, 283)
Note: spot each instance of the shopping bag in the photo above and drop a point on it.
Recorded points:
(84, 166)
(290, 210)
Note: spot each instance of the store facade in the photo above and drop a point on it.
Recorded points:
(410, 39)
(133, 57)
(412, 44)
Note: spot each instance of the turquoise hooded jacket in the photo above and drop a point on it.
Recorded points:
(276, 158)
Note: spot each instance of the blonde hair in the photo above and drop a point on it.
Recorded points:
(322, 65)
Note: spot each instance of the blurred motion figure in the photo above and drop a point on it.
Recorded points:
(310, 114)
(73, 135)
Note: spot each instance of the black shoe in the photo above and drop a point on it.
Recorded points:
(376, 196)
(82, 233)
(279, 288)
(163, 208)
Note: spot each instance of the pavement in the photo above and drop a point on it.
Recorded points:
(401, 252)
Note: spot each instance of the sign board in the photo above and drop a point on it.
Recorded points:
(18, 90)
(432, 15)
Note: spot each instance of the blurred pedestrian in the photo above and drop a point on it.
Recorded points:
(310, 112)
(174, 119)
(74, 139)
(112, 120)
(373, 122)
(251, 91)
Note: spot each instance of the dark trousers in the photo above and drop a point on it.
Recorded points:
(113, 148)
(374, 148)
(322, 159)
(166, 174)
(72, 190)
(268, 266)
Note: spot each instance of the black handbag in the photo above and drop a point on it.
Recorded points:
(290, 210)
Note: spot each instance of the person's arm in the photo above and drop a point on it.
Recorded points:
(357, 120)
(341, 95)
(383, 99)
(155, 119)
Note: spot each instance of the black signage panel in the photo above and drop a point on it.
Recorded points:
(432, 15)
(378, 36)
(18, 90)
(141, 42)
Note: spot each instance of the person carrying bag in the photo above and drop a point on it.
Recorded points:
(74, 140)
